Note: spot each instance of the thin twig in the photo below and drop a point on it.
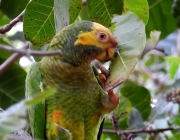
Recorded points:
(117, 130)
(8, 27)
(154, 48)
(29, 52)
(4, 66)
(122, 113)
(140, 131)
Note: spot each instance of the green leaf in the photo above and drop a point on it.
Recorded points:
(102, 11)
(38, 24)
(74, 10)
(173, 63)
(43, 19)
(13, 8)
(177, 121)
(160, 17)
(140, 8)
(138, 96)
(131, 38)
(12, 85)
(4, 19)
(41, 96)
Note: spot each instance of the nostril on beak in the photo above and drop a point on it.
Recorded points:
(116, 52)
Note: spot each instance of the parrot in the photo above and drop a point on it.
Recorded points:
(77, 108)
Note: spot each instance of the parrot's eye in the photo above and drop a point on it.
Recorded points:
(103, 37)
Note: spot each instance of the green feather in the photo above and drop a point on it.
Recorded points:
(37, 112)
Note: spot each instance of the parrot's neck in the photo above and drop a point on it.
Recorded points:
(66, 74)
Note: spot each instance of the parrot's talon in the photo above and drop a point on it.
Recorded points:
(105, 72)
(102, 80)
(114, 99)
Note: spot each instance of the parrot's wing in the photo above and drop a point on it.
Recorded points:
(96, 73)
(37, 112)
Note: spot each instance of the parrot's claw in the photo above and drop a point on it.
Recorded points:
(102, 80)
(113, 98)
(110, 101)
(104, 71)
(103, 76)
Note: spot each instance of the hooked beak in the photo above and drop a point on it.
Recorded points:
(109, 53)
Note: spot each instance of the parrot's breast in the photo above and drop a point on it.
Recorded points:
(76, 105)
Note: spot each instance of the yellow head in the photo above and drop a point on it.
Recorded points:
(100, 37)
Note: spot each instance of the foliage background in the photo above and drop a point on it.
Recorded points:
(150, 96)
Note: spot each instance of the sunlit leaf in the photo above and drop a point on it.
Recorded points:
(131, 38)
(74, 10)
(41, 96)
(173, 65)
(43, 19)
(140, 8)
(102, 11)
(38, 24)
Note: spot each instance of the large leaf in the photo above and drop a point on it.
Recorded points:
(102, 11)
(38, 24)
(131, 38)
(138, 96)
(44, 18)
(4, 19)
(12, 84)
(12, 8)
(140, 8)
(160, 17)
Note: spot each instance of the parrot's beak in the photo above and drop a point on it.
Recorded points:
(109, 53)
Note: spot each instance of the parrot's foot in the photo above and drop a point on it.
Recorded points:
(110, 101)
(103, 76)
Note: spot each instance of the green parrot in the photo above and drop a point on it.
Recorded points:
(79, 105)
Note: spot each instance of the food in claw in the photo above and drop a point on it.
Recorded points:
(79, 105)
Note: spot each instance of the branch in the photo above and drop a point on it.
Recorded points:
(4, 66)
(29, 52)
(21, 52)
(8, 27)
(117, 130)
(140, 131)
